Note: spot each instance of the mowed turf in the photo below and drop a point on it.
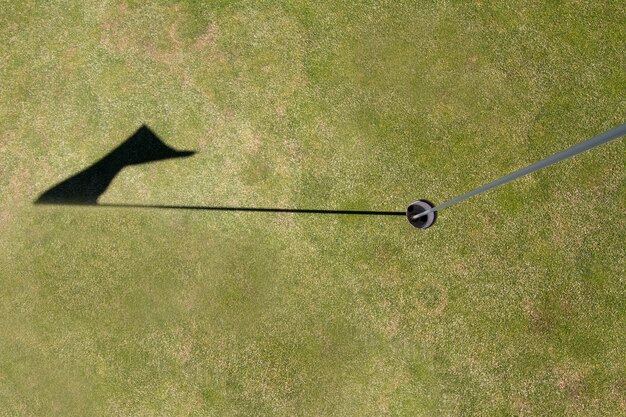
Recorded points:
(512, 304)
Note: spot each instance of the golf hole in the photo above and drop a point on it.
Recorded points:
(419, 206)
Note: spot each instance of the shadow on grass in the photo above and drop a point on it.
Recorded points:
(89, 184)
(144, 146)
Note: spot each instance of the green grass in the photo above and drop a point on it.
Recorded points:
(513, 304)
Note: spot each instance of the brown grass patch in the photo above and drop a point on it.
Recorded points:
(438, 304)
(184, 354)
(17, 185)
(522, 407)
(537, 320)
(208, 38)
(570, 383)
(392, 326)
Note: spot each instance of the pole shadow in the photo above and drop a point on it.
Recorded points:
(144, 146)
(253, 209)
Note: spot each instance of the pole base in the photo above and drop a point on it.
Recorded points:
(418, 207)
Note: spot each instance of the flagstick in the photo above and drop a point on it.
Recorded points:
(598, 140)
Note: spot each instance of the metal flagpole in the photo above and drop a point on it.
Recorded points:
(420, 208)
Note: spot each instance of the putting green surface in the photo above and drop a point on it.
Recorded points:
(514, 303)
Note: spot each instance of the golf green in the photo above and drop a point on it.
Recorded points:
(513, 303)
